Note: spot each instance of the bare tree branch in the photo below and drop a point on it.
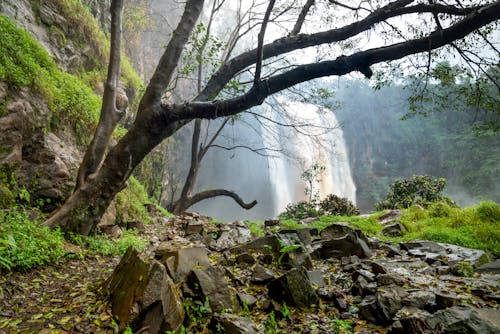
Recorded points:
(168, 62)
(258, 64)
(219, 192)
(360, 61)
(301, 18)
(287, 44)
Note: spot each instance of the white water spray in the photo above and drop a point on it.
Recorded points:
(274, 181)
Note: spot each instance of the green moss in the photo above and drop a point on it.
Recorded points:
(23, 62)
(78, 15)
(130, 203)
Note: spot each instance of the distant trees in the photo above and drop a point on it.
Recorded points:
(439, 23)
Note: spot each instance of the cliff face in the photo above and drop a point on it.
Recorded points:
(47, 115)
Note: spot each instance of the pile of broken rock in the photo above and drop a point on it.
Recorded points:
(234, 278)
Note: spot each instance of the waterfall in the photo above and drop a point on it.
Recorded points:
(274, 180)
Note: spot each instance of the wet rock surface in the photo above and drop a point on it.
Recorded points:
(235, 282)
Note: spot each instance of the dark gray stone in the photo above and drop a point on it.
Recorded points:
(267, 244)
(383, 306)
(295, 258)
(419, 299)
(466, 319)
(194, 227)
(233, 324)
(394, 229)
(347, 245)
(245, 258)
(262, 275)
(210, 283)
(490, 268)
(294, 288)
(444, 300)
(422, 245)
(271, 222)
(411, 320)
(142, 292)
(388, 279)
(181, 261)
(390, 216)
(316, 277)
(246, 299)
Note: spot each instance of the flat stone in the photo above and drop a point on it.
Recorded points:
(390, 216)
(194, 227)
(419, 299)
(388, 279)
(245, 258)
(316, 277)
(233, 324)
(444, 300)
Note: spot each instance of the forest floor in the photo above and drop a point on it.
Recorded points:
(60, 298)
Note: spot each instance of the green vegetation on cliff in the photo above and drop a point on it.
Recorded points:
(24, 63)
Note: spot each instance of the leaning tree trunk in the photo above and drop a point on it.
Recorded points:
(83, 210)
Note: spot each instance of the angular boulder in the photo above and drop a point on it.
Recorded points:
(347, 245)
(233, 324)
(181, 261)
(393, 229)
(210, 283)
(293, 288)
(490, 268)
(143, 294)
(383, 306)
(466, 319)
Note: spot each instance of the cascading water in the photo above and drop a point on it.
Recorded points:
(274, 180)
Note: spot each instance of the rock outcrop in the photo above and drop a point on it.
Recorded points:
(403, 293)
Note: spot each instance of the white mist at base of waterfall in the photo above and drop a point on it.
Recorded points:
(296, 136)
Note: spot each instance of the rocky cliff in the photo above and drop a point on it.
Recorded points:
(50, 80)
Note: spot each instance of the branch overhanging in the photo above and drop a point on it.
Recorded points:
(360, 61)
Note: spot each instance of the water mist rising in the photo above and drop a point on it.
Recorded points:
(274, 180)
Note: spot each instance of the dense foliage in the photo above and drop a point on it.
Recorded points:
(331, 205)
(25, 244)
(382, 147)
(338, 206)
(417, 190)
(130, 203)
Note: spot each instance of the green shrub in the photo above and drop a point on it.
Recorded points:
(416, 190)
(301, 210)
(488, 211)
(79, 15)
(25, 244)
(102, 244)
(338, 206)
